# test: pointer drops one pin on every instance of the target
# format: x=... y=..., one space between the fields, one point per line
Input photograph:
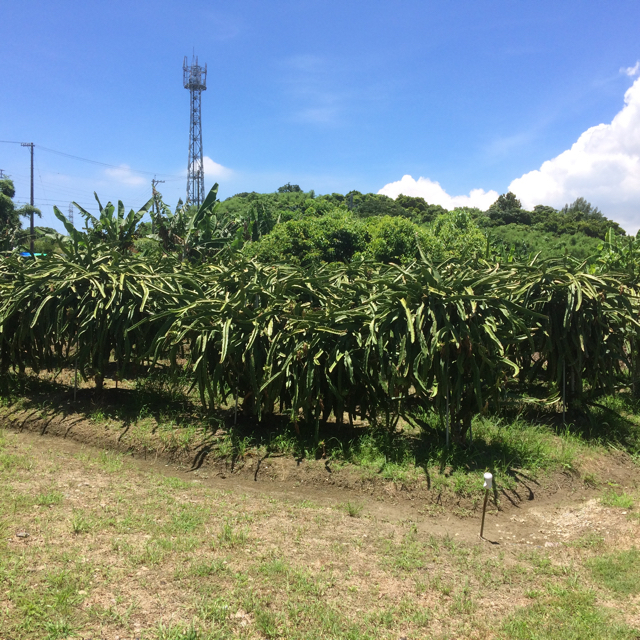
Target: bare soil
x=549 y=509
x=147 y=547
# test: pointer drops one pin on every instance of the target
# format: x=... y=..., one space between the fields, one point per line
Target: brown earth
x=550 y=509
x=365 y=565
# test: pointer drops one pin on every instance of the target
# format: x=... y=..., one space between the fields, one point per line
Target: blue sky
x=330 y=95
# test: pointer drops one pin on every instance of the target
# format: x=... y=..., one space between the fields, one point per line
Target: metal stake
x=564 y=391
x=448 y=416
x=488 y=480
x=75 y=376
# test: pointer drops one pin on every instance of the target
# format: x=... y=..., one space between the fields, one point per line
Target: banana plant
x=112 y=229
x=196 y=232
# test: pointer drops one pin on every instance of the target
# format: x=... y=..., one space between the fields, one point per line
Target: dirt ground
x=99 y=543
x=418 y=492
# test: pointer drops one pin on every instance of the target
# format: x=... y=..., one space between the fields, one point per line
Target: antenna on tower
x=194 y=78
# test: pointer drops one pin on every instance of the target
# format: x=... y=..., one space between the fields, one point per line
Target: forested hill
x=292 y=224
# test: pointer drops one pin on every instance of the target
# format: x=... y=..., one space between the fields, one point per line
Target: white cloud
x=124 y=175
x=602 y=166
x=433 y=193
x=214 y=170
x=631 y=71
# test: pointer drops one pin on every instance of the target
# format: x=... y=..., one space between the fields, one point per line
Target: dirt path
x=556 y=510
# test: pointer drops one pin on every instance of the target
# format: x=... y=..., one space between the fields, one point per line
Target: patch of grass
x=98 y=416
x=463 y=603
x=48 y=498
x=10 y=461
x=268 y=623
x=566 y=614
x=152 y=554
x=589 y=541
x=409 y=555
x=110 y=461
x=619 y=572
x=216 y=610
x=353 y=509
x=186 y=519
x=80 y=523
x=177 y=632
x=611 y=498
x=58 y=629
x=176 y=483
x=231 y=537
x=204 y=568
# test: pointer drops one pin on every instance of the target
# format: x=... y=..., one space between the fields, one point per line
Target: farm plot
x=98 y=545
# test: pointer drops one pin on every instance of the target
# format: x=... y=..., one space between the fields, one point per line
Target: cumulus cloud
x=603 y=166
x=124 y=175
x=631 y=71
x=214 y=170
x=433 y=193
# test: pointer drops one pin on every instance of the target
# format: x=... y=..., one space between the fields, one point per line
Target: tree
x=507 y=209
x=582 y=206
x=10 y=216
x=419 y=210
x=289 y=188
x=375 y=205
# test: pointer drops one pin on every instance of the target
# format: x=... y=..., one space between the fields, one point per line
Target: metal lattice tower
x=195 y=79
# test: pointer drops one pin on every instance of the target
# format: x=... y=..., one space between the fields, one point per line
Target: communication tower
x=195 y=79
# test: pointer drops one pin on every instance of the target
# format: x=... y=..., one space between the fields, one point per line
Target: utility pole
x=71 y=213
x=156 y=209
x=32 y=228
x=1 y=174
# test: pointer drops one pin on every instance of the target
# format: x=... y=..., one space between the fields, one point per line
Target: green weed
x=110 y=461
x=612 y=498
x=230 y=537
x=569 y=614
x=80 y=523
x=353 y=509
x=49 y=498
x=619 y=572
x=177 y=632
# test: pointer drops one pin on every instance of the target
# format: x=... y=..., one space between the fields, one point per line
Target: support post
x=488 y=481
x=32 y=230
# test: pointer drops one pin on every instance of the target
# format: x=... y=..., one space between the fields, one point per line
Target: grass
x=156 y=414
x=566 y=613
x=619 y=572
x=228 y=565
x=612 y=498
x=138 y=554
x=353 y=509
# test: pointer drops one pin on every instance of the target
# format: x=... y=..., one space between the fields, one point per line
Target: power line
x=102 y=164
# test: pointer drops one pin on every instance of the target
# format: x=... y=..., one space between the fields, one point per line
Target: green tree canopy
x=10 y=226
x=507 y=209
x=418 y=209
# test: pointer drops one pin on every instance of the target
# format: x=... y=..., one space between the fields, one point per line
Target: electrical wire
x=102 y=164
x=40 y=176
